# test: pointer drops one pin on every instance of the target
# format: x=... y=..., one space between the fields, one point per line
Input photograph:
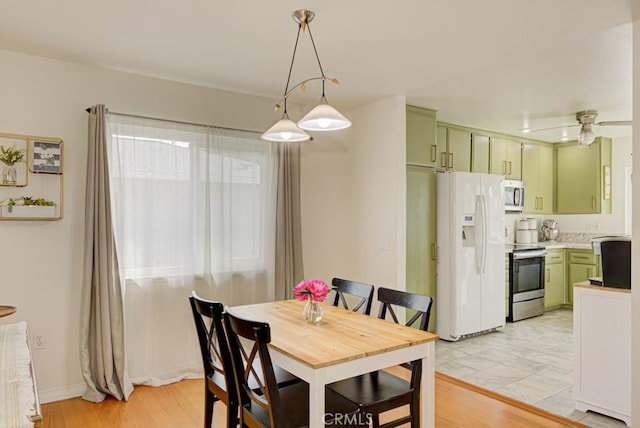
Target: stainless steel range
x=526 y=283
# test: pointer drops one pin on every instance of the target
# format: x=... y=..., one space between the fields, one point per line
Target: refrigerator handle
x=479 y=233
x=484 y=234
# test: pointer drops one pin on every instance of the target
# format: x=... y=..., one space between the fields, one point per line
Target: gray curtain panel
x=289 y=269
x=102 y=343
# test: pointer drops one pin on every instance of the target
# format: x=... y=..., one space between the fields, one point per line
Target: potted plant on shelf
x=9 y=157
x=27 y=207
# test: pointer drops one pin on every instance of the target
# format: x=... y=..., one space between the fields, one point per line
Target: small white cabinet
x=602 y=342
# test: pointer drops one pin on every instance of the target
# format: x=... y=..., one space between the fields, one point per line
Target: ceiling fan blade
x=614 y=123
x=554 y=127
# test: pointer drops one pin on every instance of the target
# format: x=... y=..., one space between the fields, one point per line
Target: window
x=189 y=199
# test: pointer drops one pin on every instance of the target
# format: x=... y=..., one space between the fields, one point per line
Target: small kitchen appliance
x=513 y=196
x=549 y=230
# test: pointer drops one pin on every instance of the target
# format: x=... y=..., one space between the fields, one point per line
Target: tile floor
x=530 y=360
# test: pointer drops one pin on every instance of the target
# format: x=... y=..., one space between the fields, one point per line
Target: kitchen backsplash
x=580 y=237
x=511 y=221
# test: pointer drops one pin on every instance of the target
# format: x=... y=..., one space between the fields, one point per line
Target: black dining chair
x=219 y=377
x=270 y=405
x=379 y=391
x=219 y=380
x=345 y=287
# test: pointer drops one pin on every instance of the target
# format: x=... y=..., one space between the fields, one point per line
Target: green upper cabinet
x=583 y=177
x=479 y=153
x=454 y=148
x=537 y=174
x=421 y=136
x=506 y=158
x=421 y=233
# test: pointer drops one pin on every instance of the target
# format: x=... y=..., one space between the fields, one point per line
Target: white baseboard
x=57 y=394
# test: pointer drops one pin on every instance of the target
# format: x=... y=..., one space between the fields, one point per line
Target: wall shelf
x=39 y=176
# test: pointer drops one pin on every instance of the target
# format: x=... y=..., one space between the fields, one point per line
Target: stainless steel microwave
x=513 y=195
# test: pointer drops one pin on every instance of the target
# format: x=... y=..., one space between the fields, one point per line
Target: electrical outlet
x=39 y=341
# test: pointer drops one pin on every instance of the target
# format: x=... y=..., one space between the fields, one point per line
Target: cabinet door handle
x=541 y=202
x=451 y=160
x=510 y=169
x=547 y=277
x=443 y=159
x=504 y=167
x=581 y=257
x=433 y=251
x=536 y=204
x=434 y=153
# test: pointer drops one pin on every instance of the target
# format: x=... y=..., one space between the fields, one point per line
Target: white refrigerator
x=470 y=261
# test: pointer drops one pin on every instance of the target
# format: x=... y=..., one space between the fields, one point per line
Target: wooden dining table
x=343 y=344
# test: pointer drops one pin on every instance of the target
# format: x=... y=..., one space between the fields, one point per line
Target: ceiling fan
x=586 y=120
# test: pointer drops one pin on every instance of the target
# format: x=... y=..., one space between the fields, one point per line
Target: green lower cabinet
x=554 y=279
x=583 y=264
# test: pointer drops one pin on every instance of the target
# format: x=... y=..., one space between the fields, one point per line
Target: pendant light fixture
x=323 y=117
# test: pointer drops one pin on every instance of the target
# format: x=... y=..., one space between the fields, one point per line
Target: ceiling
x=494 y=64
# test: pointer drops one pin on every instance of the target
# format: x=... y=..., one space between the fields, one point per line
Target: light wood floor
x=181 y=404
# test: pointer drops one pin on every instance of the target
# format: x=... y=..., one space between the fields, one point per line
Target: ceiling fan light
x=323 y=117
x=586 y=136
x=285 y=130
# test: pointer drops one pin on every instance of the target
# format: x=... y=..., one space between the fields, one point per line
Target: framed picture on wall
x=46 y=156
x=606 y=182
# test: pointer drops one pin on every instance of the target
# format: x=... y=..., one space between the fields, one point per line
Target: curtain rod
x=88 y=110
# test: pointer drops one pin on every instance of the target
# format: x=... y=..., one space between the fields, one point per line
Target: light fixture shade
x=586 y=136
x=323 y=117
x=285 y=130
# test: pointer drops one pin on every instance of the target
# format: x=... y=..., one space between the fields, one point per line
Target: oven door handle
x=529 y=254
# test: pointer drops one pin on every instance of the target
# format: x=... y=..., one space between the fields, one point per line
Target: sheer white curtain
x=194 y=209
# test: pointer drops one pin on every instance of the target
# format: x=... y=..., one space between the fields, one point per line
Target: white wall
x=41 y=262
x=353 y=206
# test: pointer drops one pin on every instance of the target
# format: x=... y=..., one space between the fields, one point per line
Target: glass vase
x=9 y=174
x=312 y=311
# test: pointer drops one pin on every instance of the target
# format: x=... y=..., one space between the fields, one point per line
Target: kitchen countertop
x=550 y=245
x=587 y=284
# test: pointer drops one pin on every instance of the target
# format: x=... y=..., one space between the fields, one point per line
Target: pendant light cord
x=293 y=58
x=313 y=43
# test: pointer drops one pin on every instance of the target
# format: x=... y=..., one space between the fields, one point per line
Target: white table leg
x=316 y=400
x=428 y=388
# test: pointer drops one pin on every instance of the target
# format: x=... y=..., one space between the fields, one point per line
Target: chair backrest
x=346 y=287
x=248 y=341
x=216 y=357
x=390 y=298
x=616 y=263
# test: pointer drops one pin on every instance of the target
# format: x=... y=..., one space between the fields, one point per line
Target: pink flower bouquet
x=316 y=288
